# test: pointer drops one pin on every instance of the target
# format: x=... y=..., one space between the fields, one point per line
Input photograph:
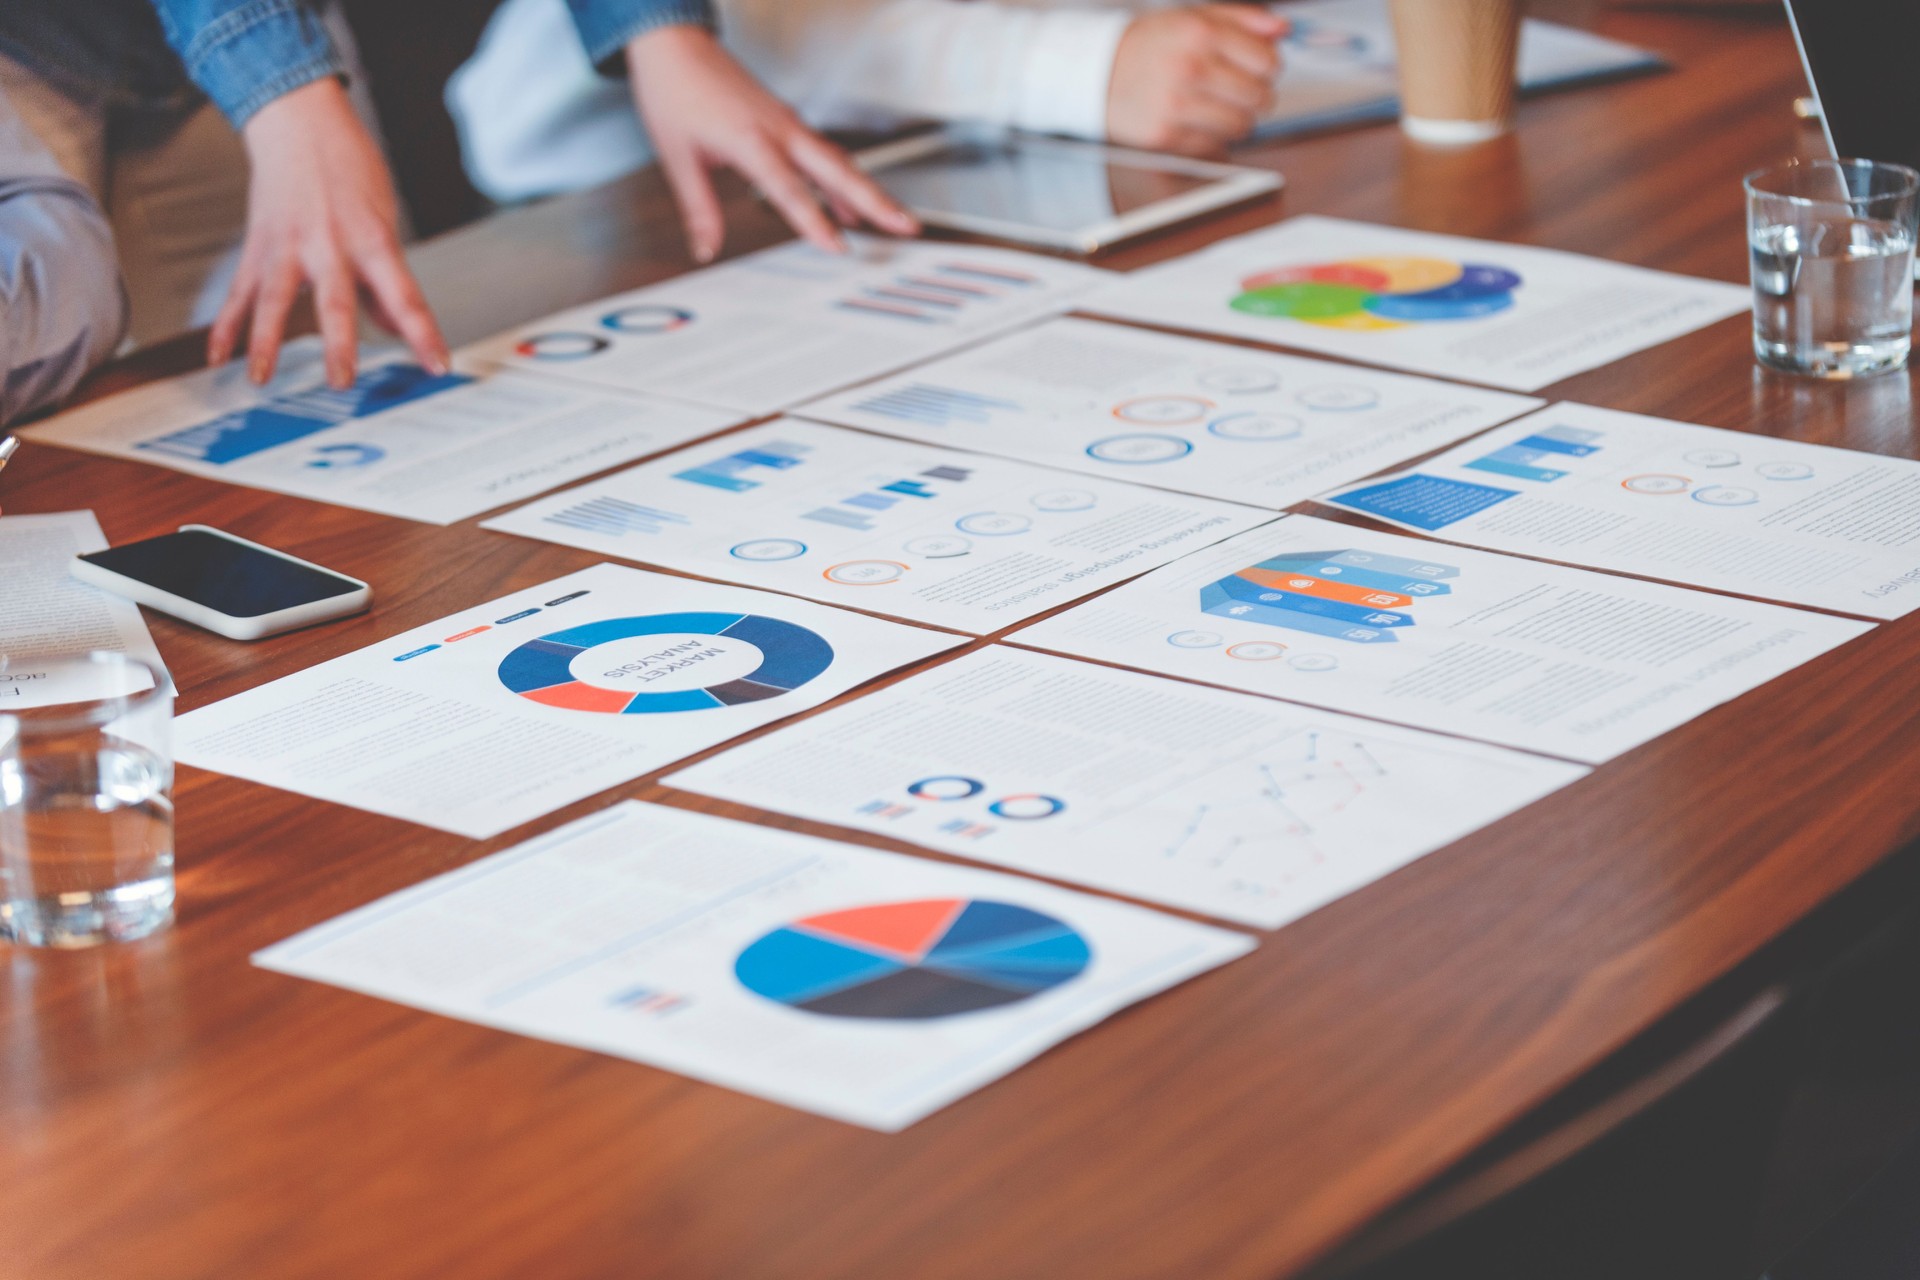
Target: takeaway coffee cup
x=1457 y=61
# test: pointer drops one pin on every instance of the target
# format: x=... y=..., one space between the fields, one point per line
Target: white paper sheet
x=862 y=985
x=925 y=534
x=1214 y=801
x=1178 y=413
x=1502 y=314
x=46 y=613
x=1564 y=661
x=769 y=330
x=1800 y=523
x=511 y=709
x=401 y=442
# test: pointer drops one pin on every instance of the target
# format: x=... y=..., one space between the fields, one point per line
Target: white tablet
x=1077 y=196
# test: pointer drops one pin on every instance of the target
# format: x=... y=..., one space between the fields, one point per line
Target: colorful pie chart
x=927 y=958
x=1379 y=293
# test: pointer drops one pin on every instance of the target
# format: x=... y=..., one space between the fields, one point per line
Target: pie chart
x=657 y=663
x=927 y=958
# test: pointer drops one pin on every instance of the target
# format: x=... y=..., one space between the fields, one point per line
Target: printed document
x=45 y=612
x=1561 y=661
x=1506 y=315
x=489 y=718
x=1217 y=802
x=1177 y=413
x=769 y=330
x=867 y=986
x=400 y=441
x=952 y=539
x=1800 y=523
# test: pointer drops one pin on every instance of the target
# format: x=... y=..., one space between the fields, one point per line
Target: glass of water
x=86 y=812
x=1831 y=243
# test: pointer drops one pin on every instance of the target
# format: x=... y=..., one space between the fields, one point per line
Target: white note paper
x=401 y=442
x=1800 y=523
x=1217 y=802
x=45 y=612
x=1178 y=413
x=862 y=985
x=1502 y=314
x=511 y=709
x=930 y=535
x=1536 y=656
x=773 y=328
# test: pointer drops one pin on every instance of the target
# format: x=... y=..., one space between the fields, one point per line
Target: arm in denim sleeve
x=606 y=25
x=246 y=53
x=62 y=310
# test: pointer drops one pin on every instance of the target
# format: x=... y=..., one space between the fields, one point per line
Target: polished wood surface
x=169 y=1111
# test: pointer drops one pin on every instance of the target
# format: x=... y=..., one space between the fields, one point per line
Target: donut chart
x=913 y=960
x=1379 y=293
x=541 y=670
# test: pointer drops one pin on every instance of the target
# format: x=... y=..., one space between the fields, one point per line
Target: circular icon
x=1256 y=650
x=1063 y=500
x=865 y=573
x=331 y=457
x=993 y=524
x=1026 y=808
x=768 y=549
x=1194 y=639
x=1339 y=398
x=1726 y=495
x=1240 y=379
x=1712 y=458
x=1165 y=411
x=938 y=546
x=1313 y=662
x=912 y=961
x=1139 y=451
x=946 y=786
x=1255 y=426
x=561 y=346
x=647 y=318
x=1655 y=484
x=665 y=662
x=1784 y=471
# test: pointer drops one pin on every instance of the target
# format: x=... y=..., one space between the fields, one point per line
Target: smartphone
x=228 y=585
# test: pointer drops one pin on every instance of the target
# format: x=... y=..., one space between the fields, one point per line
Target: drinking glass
x=1831 y=246
x=86 y=813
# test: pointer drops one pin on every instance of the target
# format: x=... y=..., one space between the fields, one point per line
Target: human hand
x=1193 y=80
x=321 y=211
x=703 y=109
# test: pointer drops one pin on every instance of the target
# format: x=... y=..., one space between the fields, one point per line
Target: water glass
x=1831 y=245
x=86 y=809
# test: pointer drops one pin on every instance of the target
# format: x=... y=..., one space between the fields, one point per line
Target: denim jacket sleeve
x=606 y=25
x=245 y=53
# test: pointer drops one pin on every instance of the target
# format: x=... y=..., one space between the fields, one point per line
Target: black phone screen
x=1861 y=55
x=225 y=576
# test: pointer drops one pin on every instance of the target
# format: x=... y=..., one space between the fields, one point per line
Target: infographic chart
x=1501 y=314
x=1563 y=661
x=1219 y=802
x=862 y=985
x=931 y=958
x=908 y=530
x=1178 y=413
x=1800 y=523
x=493 y=716
x=765 y=331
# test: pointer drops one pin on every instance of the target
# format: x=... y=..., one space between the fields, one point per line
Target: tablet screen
x=1059 y=188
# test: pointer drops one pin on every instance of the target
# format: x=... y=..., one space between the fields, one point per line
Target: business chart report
x=503 y=712
x=1217 y=802
x=908 y=530
x=867 y=986
x=1178 y=413
x=1563 y=661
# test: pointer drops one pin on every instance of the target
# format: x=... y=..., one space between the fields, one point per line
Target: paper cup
x=1457 y=61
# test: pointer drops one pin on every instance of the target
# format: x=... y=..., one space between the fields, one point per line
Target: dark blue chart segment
x=541 y=670
x=930 y=958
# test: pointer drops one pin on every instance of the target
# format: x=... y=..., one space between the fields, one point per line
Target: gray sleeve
x=62 y=307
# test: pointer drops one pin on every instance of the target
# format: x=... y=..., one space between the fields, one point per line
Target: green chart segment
x=926 y=958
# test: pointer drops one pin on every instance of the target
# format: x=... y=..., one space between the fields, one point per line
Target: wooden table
x=170 y=1111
